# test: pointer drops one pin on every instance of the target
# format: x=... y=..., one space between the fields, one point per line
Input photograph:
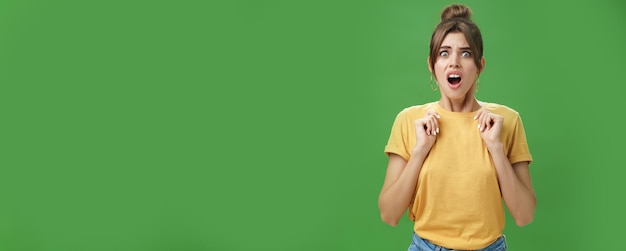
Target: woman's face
x=455 y=69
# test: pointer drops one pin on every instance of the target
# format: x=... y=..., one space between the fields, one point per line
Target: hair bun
x=456 y=11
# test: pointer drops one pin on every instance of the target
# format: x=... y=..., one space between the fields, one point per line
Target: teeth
x=454 y=76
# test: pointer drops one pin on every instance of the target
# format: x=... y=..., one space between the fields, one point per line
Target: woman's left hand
x=490 y=126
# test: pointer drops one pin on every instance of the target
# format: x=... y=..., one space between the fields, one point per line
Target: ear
x=482 y=64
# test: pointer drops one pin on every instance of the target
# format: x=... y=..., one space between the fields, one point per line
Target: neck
x=467 y=104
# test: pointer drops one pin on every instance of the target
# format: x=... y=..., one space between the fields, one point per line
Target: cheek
x=440 y=67
x=470 y=65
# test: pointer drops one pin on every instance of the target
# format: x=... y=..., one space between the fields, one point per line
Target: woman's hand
x=426 y=130
x=490 y=127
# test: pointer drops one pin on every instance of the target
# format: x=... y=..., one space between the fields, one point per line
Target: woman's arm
x=399 y=186
x=514 y=179
x=516 y=187
x=401 y=177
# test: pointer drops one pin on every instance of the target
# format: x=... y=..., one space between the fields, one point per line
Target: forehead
x=455 y=39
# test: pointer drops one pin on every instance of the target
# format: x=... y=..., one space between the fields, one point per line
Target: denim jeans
x=420 y=244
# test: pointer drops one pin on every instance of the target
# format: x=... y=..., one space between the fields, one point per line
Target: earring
x=477 y=84
x=431 y=83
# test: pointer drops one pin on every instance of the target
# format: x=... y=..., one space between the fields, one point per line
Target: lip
x=454 y=86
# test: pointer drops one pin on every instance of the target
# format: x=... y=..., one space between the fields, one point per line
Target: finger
x=436 y=122
x=478 y=119
x=431 y=117
x=424 y=124
x=421 y=124
x=484 y=121
x=488 y=122
x=498 y=120
x=491 y=120
x=430 y=126
x=478 y=114
x=433 y=122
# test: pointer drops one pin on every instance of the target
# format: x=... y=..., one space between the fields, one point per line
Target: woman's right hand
x=426 y=130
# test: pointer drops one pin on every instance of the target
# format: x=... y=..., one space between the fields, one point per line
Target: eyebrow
x=448 y=47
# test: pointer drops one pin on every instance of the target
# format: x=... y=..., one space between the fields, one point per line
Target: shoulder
x=502 y=110
x=512 y=119
x=416 y=110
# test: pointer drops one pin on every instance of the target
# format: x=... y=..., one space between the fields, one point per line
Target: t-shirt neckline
x=443 y=112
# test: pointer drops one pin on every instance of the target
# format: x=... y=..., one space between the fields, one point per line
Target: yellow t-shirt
x=457 y=202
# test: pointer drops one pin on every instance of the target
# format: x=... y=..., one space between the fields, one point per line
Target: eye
x=466 y=54
x=443 y=53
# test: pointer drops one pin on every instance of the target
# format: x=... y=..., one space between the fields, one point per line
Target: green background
x=245 y=125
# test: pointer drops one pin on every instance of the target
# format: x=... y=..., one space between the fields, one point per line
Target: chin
x=454 y=95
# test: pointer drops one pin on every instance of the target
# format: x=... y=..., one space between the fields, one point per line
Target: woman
x=451 y=162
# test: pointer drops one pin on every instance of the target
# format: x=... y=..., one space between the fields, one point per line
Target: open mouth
x=454 y=79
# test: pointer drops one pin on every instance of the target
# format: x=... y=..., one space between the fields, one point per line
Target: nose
x=454 y=62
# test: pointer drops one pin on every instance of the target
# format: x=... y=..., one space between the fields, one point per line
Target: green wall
x=241 y=125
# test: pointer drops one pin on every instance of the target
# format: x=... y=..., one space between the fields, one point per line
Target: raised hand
x=490 y=127
x=426 y=130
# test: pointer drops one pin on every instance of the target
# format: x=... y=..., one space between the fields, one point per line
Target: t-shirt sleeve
x=519 y=146
x=398 y=142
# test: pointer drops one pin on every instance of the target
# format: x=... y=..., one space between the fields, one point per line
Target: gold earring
x=431 y=83
x=477 y=84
